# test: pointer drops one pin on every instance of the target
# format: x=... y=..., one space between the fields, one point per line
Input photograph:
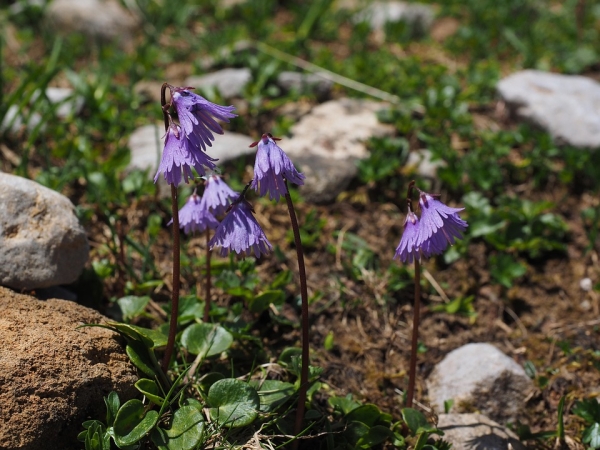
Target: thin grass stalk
x=415 y=337
x=208 y=281
x=305 y=337
x=176 y=254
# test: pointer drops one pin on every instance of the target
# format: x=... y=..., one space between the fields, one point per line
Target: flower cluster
x=185 y=143
x=430 y=235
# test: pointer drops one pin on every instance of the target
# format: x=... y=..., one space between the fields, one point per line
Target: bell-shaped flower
x=408 y=248
x=271 y=167
x=239 y=232
x=194 y=218
x=439 y=226
x=197 y=116
x=179 y=156
x=217 y=195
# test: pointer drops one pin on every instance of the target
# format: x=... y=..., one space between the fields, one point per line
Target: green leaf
x=151 y=390
x=151 y=338
x=343 y=404
x=185 y=433
x=272 y=393
x=355 y=431
x=375 y=436
x=112 y=407
x=287 y=354
x=588 y=409
x=138 y=354
x=591 y=435
x=132 y=306
x=206 y=339
x=233 y=403
x=262 y=301
x=560 y=429
x=132 y=423
x=415 y=420
x=367 y=414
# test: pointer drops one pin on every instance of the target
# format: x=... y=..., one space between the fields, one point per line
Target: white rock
x=229 y=82
x=586 y=284
x=567 y=106
x=304 y=83
x=41 y=241
x=423 y=163
x=103 y=19
x=67 y=101
x=476 y=432
x=13 y=120
x=417 y=15
x=327 y=143
x=479 y=377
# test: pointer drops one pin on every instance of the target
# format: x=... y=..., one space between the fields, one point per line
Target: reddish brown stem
x=176 y=275
x=207 y=296
x=415 y=337
x=305 y=337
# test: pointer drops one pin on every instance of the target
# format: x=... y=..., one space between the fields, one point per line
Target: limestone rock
x=53 y=376
x=418 y=16
x=229 y=82
x=328 y=142
x=479 y=377
x=41 y=240
x=305 y=83
x=424 y=164
x=476 y=432
x=102 y=19
x=567 y=106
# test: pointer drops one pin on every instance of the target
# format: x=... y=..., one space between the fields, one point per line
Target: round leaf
x=132 y=423
x=206 y=339
x=150 y=389
x=132 y=305
x=273 y=393
x=234 y=403
x=185 y=433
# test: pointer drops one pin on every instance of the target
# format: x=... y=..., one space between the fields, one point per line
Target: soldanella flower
x=194 y=218
x=197 y=116
x=271 y=167
x=440 y=225
x=217 y=195
x=239 y=232
x=408 y=249
x=179 y=156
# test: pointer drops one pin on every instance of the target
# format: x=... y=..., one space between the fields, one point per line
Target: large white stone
x=480 y=378
x=42 y=242
x=417 y=15
x=567 y=106
x=328 y=142
x=103 y=19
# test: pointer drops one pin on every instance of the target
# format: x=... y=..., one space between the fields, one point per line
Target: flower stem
x=207 y=295
x=415 y=337
x=175 y=293
x=304 y=295
x=176 y=251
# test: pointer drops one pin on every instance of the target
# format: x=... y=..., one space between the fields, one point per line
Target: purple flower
x=240 y=232
x=217 y=195
x=440 y=225
x=197 y=116
x=180 y=155
x=408 y=249
x=193 y=217
x=271 y=167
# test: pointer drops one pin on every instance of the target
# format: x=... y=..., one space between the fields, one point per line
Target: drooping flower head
x=440 y=225
x=240 y=232
x=271 y=167
x=180 y=155
x=197 y=116
x=408 y=250
x=217 y=195
x=194 y=218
